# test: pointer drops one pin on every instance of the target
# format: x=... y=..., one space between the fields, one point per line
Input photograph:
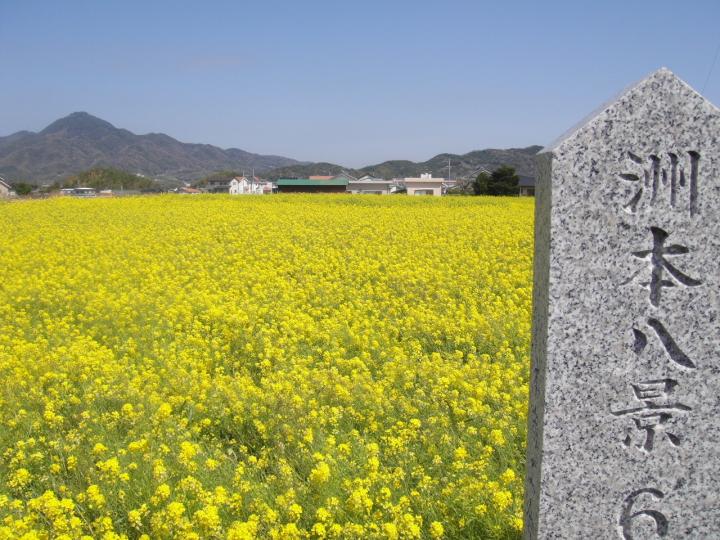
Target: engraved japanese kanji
x=662 y=172
x=659 y=264
x=654 y=414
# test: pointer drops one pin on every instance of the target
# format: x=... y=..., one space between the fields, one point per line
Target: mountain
x=81 y=141
x=462 y=165
x=303 y=170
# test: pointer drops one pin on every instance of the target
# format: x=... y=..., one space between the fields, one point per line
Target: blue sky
x=353 y=83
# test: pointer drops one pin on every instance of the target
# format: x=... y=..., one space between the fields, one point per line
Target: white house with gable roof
x=241 y=185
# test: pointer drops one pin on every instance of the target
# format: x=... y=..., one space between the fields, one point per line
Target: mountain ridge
x=465 y=166
x=81 y=141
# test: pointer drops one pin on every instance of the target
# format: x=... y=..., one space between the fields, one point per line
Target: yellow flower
x=110 y=466
x=508 y=476
x=436 y=529
x=135 y=518
x=359 y=501
x=162 y=491
x=391 y=531
x=335 y=352
x=175 y=511
x=20 y=478
x=95 y=496
x=246 y=530
x=319 y=530
x=323 y=515
x=208 y=518
x=497 y=437
x=320 y=474
x=99 y=448
x=295 y=511
x=164 y=411
x=502 y=499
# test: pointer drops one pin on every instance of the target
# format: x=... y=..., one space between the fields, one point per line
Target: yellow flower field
x=264 y=367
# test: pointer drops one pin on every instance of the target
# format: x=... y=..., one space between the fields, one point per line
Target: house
x=187 y=190
x=526 y=186
x=473 y=175
x=242 y=185
x=370 y=185
x=425 y=185
x=217 y=185
x=79 y=192
x=334 y=184
x=451 y=184
x=5 y=189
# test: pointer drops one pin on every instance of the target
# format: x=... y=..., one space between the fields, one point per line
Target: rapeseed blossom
x=269 y=367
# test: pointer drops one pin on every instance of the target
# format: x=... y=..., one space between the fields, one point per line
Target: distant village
x=425 y=184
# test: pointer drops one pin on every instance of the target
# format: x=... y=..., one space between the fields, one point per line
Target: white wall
x=424 y=188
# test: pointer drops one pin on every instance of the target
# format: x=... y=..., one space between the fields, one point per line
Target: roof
x=365 y=180
x=346 y=176
x=333 y=181
x=3 y=183
x=370 y=178
x=425 y=180
x=526 y=181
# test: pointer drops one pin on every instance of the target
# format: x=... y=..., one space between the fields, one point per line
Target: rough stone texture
x=609 y=314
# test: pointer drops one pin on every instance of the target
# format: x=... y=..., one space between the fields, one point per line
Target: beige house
x=425 y=185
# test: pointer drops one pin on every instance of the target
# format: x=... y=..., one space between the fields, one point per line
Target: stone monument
x=624 y=420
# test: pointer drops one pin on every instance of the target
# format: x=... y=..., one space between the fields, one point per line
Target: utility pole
x=449 y=168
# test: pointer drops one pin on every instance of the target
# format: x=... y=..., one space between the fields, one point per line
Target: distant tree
x=22 y=188
x=219 y=176
x=502 y=181
x=481 y=183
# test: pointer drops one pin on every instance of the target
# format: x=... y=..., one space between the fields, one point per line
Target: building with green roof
x=336 y=184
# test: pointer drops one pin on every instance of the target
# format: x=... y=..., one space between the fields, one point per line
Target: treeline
x=109 y=178
x=220 y=176
x=502 y=181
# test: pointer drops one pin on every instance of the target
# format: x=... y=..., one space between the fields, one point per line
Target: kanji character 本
x=655 y=412
x=659 y=265
x=627 y=515
x=659 y=172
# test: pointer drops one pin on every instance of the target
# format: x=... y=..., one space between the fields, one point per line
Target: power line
x=712 y=66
